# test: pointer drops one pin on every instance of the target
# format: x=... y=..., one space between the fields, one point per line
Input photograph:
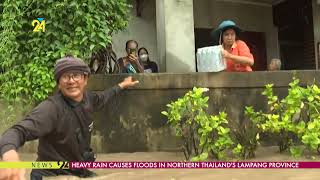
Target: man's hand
x=11 y=174
x=127 y=82
x=133 y=58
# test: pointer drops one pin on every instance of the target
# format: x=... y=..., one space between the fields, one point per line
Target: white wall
x=258 y=18
x=141 y=29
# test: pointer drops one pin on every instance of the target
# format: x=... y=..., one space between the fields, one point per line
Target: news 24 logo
x=40 y=24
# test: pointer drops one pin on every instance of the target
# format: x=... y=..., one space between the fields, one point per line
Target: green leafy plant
x=310 y=135
x=293 y=120
x=238 y=150
x=296 y=151
x=283 y=115
x=71 y=27
x=202 y=135
x=247 y=135
x=214 y=136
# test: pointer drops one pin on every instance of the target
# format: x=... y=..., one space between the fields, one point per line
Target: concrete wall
x=132 y=121
x=141 y=29
x=250 y=17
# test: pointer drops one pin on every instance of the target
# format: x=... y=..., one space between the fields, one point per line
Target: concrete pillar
x=175 y=35
x=161 y=35
x=316 y=29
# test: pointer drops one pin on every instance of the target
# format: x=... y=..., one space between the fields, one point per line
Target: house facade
x=172 y=30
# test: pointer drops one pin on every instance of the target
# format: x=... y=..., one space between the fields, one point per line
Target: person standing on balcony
x=148 y=65
x=131 y=63
x=235 y=52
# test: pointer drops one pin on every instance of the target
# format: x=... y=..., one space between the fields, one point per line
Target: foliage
x=214 y=136
x=202 y=135
x=294 y=120
x=310 y=134
x=72 y=27
x=246 y=135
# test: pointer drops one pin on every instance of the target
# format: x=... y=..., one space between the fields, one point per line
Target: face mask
x=144 y=57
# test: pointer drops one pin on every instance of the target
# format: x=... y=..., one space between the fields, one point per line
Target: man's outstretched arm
x=39 y=122
x=101 y=98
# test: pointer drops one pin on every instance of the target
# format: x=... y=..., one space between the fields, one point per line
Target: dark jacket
x=150 y=67
x=62 y=126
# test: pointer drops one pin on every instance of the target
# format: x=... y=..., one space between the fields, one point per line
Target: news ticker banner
x=36 y=165
x=159 y=165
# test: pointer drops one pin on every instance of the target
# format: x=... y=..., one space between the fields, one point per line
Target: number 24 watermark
x=40 y=25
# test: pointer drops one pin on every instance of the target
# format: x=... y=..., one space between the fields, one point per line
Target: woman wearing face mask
x=236 y=52
x=149 y=66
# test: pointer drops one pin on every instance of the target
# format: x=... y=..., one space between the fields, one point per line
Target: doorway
x=255 y=40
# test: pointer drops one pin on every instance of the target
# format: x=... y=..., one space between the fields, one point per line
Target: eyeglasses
x=131 y=50
x=75 y=76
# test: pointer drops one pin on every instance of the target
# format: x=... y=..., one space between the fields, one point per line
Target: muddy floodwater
x=263 y=154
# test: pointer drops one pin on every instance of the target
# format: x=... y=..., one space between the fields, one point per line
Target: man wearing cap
x=62 y=123
x=236 y=52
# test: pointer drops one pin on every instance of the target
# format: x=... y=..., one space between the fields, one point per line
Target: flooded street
x=265 y=154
